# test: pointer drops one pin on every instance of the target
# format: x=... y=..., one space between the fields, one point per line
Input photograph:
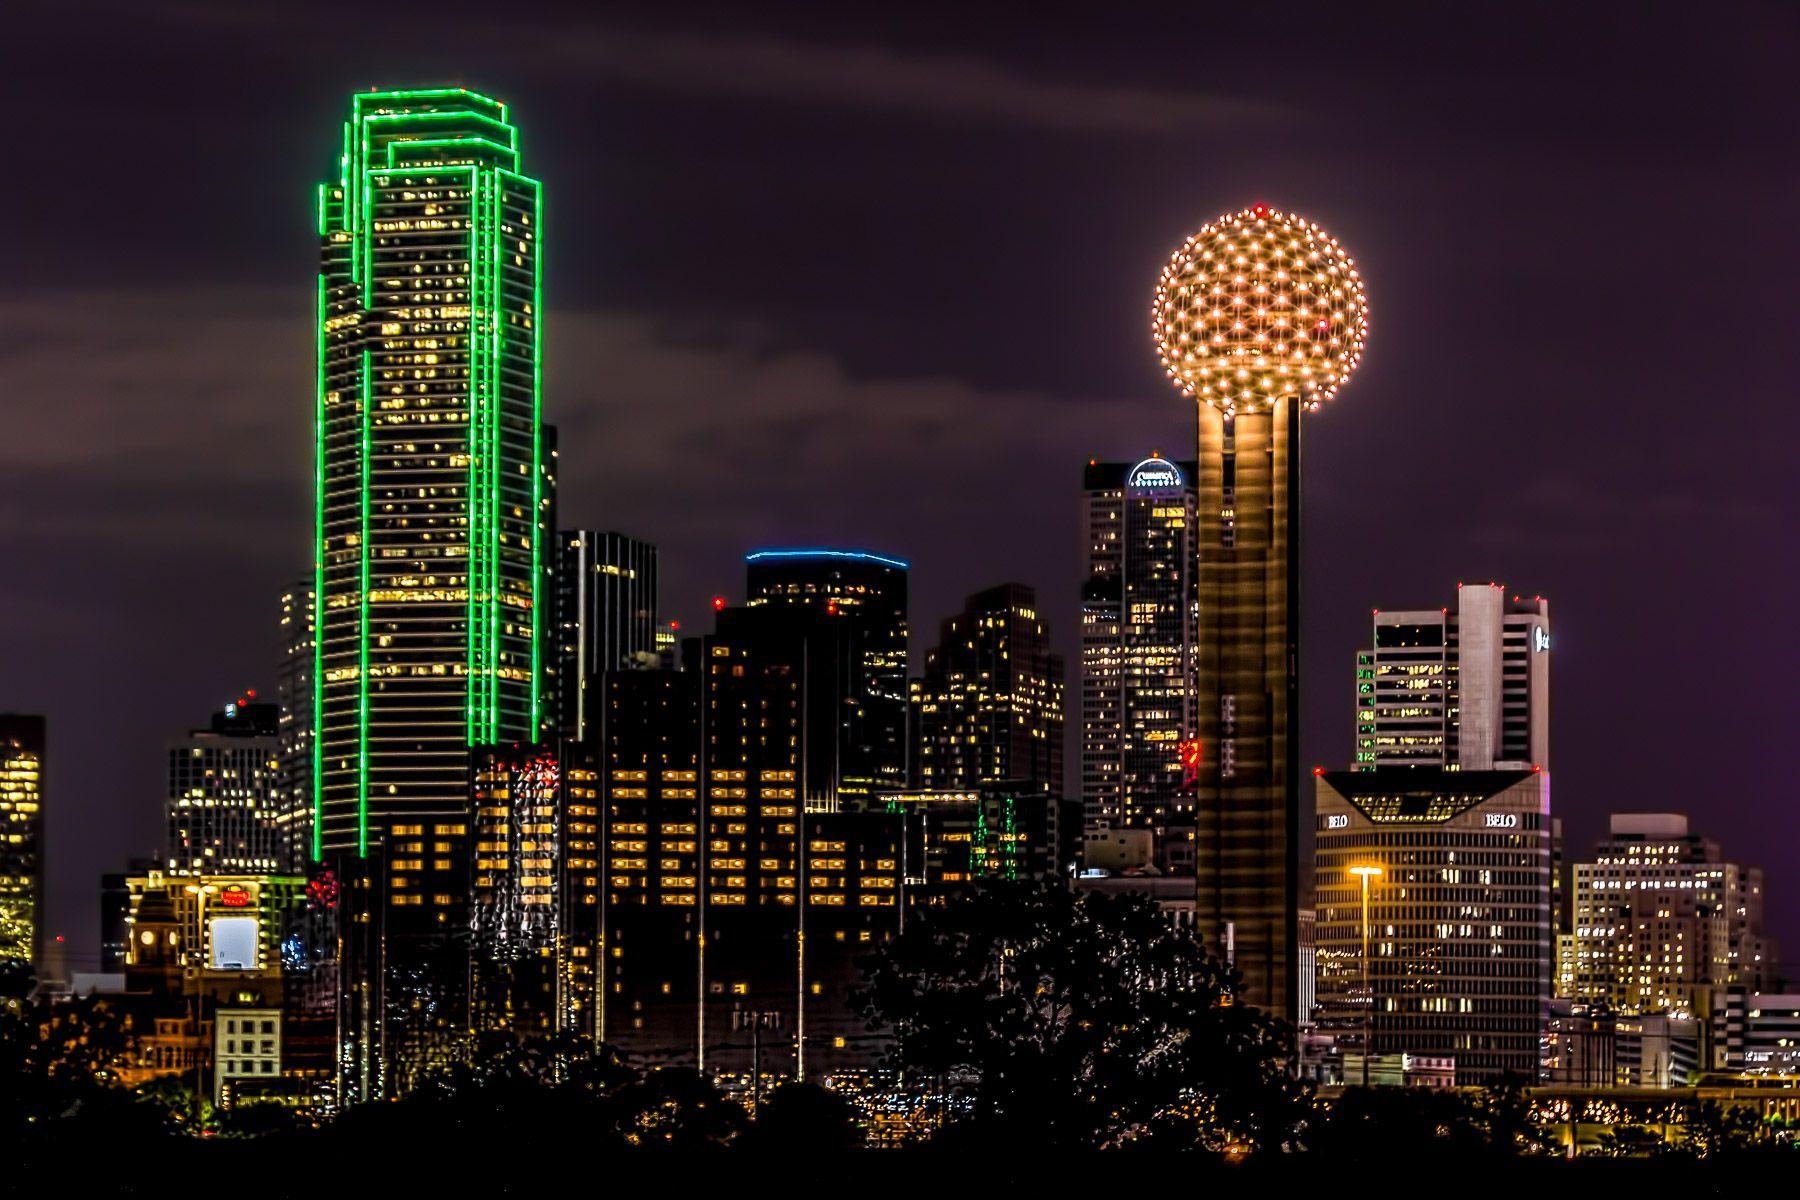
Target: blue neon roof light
x=826 y=552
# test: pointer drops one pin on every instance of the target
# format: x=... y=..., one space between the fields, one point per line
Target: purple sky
x=828 y=279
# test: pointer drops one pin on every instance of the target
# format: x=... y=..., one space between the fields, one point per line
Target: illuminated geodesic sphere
x=1257 y=306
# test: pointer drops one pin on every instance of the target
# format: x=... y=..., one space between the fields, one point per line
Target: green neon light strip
x=537 y=451
x=317 y=616
x=406 y=95
x=362 y=675
x=496 y=303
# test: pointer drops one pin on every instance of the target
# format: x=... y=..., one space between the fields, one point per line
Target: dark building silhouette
x=989 y=706
x=606 y=605
x=868 y=592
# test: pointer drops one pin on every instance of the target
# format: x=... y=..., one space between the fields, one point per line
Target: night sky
x=827 y=278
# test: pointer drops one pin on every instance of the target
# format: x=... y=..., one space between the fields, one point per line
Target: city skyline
x=1512 y=531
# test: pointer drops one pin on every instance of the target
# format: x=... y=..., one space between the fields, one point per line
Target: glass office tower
x=430 y=480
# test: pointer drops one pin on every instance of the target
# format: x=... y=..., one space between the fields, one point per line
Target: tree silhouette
x=1072 y=1020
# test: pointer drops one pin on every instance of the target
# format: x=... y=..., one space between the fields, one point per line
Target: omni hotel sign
x=1154 y=474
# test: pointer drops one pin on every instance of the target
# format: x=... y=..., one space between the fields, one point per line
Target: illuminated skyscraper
x=21 y=839
x=1139 y=613
x=1662 y=920
x=293 y=695
x=1467 y=688
x=989 y=707
x=1455 y=866
x=431 y=566
x=605 y=616
x=224 y=803
x=1258 y=317
x=867 y=594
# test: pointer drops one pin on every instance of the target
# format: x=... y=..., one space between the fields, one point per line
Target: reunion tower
x=1258 y=316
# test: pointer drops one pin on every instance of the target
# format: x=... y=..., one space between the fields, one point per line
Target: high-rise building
x=868 y=594
x=1467 y=687
x=224 y=800
x=293 y=695
x=733 y=886
x=605 y=616
x=989 y=707
x=1456 y=867
x=1139 y=620
x=1662 y=920
x=1258 y=317
x=430 y=557
x=22 y=767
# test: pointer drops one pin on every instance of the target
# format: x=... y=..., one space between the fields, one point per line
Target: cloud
x=781 y=68
x=184 y=417
x=944 y=85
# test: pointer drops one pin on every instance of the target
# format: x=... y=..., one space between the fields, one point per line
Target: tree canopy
x=1081 y=1021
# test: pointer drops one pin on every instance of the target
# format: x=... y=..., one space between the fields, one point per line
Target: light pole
x=1366 y=873
x=199 y=893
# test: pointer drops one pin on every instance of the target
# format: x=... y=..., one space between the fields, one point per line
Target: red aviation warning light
x=1191 y=758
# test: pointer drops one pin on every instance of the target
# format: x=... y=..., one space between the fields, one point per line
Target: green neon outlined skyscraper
x=429 y=457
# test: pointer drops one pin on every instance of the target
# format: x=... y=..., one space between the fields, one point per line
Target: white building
x=1466 y=688
x=246 y=1045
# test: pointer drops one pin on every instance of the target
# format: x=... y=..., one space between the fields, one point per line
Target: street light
x=1366 y=873
x=200 y=893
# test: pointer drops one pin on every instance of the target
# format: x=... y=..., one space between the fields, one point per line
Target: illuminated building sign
x=234 y=943
x=1337 y=821
x=1540 y=640
x=1154 y=473
x=234 y=895
x=1190 y=764
x=1502 y=820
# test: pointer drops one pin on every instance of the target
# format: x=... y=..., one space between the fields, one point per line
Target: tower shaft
x=1248 y=801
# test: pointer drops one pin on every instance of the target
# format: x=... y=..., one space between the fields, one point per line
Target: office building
x=989 y=706
x=605 y=616
x=246 y=1048
x=1465 y=687
x=1139 y=622
x=1008 y=831
x=294 y=698
x=1662 y=921
x=736 y=892
x=431 y=474
x=224 y=798
x=868 y=593
x=1459 y=932
x=22 y=773
x=1755 y=1033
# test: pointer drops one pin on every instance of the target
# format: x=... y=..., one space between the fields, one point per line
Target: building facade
x=294 y=697
x=22 y=770
x=1459 y=925
x=225 y=803
x=1467 y=687
x=1662 y=921
x=1246 y=697
x=606 y=606
x=1139 y=624
x=989 y=706
x=430 y=563
x=868 y=592
x=735 y=889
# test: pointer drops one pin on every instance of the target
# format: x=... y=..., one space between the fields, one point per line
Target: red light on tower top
x=718 y=604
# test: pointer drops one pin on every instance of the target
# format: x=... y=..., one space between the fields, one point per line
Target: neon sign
x=234 y=895
x=1154 y=473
